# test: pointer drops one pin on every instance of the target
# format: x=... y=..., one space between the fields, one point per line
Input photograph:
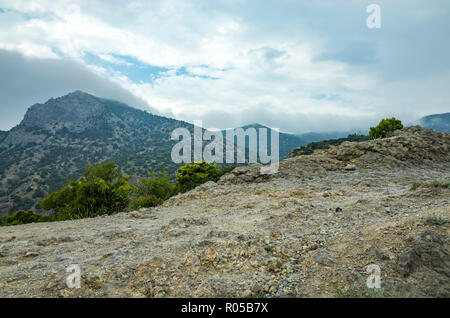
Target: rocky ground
x=309 y=230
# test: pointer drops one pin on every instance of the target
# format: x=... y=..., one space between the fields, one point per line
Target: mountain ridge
x=56 y=140
x=309 y=230
x=437 y=122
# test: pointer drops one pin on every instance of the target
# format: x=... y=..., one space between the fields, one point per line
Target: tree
x=24 y=217
x=195 y=173
x=152 y=191
x=101 y=190
x=385 y=128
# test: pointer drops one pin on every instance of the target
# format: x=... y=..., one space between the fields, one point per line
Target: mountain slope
x=286 y=141
x=437 y=122
x=3 y=135
x=307 y=231
x=56 y=140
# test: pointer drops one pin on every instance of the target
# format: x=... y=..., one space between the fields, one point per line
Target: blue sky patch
x=135 y=70
x=323 y=96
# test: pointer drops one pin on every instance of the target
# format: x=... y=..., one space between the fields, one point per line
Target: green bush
x=159 y=186
x=101 y=190
x=144 y=201
x=195 y=173
x=385 y=128
x=24 y=217
x=152 y=191
x=435 y=184
x=436 y=219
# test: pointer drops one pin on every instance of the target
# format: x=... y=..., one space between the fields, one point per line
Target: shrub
x=385 y=128
x=159 y=186
x=445 y=184
x=144 y=201
x=436 y=219
x=195 y=173
x=101 y=190
x=24 y=217
x=441 y=184
x=359 y=289
x=152 y=191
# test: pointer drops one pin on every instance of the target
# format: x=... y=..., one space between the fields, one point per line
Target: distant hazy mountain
x=56 y=140
x=287 y=142
x=437 y=122
x=314 y=137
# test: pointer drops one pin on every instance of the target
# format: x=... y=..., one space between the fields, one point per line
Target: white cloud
x=244 y=59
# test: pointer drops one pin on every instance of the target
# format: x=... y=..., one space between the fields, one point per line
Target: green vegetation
x=441 y=184
x=152 y=191
x=104 y=190
x=359 y=289
x=256 y=294
x=24 y=217
x=415 y=186
x=101 y=190
x=444 y=184
x=436 y=219
x=195 y=173
x=385 y=128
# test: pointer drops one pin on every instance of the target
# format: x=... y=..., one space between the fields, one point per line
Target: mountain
x=3 y=135
x=437 y=122
x=288 y=142
x=311 y=230
x=56 y=140
x=315 y=136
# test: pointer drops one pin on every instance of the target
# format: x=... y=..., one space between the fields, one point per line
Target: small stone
x=323 y=257
x=350 y=167
x=135 y=214
x=31 y=254
x=274 y=264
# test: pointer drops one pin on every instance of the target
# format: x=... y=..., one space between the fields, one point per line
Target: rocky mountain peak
x=75 y=107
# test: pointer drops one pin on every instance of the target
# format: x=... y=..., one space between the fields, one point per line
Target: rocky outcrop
x=409 y=147
x=309 y=230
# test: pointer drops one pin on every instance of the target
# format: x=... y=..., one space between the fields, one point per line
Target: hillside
x=56 y=140
x=437 y=122
x=3 y=135
x=287 y=142
x=309 y=230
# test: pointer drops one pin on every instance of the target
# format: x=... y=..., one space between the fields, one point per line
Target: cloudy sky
x=296 y=65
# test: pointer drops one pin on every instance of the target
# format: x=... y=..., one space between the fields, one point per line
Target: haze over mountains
x=56 y=140
x=437 y=122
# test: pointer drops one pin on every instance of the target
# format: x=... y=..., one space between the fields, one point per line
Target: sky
x=300 y=66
